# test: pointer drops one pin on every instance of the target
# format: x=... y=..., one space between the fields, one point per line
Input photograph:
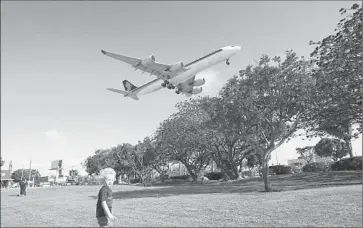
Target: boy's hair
x=108 y=172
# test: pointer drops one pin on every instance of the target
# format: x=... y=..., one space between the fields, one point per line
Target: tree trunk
x=192 y=170
x=179 y=168
x=236 y=173
x=348 y=142
x=227 y=175
x=239 y=176
x=266 y=177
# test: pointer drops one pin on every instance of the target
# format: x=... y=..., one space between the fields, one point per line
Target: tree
x=307 y=153
x=92 y=165
x=19 y=173
x=338 y=95
x=334 y=148
x=142 y=159
x=123 y=155
x=225 y=142
x=124 y=159
x=183 y=138
x=156 y=156
x=2 y=161
x=73 y=172
x=255 y=161
x=266 y=103
x=101 y=159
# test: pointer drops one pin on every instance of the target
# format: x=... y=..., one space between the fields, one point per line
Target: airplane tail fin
x=125 y=93
x=128 y=85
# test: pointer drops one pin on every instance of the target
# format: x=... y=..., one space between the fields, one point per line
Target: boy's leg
x=102 y=221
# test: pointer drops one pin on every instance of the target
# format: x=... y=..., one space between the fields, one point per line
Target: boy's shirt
x=105 y=194
x=22 y=184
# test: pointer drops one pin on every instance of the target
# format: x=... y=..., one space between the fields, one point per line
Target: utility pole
x=30 y=169
x=10 y=167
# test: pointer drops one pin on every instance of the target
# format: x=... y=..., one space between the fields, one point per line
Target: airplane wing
x=158 y=69
x=129 y=60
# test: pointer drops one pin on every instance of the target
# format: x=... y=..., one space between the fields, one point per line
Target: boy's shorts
x=103 y=221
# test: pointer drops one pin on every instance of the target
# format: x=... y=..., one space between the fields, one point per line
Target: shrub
x=353 y=163
x=316 y=167
x=214 y=175
x=280 y=169
x=296 y=169
x=134 y=181
x=183 y=177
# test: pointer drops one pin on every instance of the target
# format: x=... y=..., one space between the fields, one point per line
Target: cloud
x=53 y=134
x=213 y=83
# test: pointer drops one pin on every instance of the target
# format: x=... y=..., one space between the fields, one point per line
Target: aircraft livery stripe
x=145 y=85
x=195 y=61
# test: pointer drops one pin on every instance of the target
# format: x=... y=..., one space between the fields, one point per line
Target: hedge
x=214 y=175
x=316 y=167
x=353 y=163
x=280 y=169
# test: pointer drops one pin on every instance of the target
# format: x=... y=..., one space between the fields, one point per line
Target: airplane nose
x=238 y=48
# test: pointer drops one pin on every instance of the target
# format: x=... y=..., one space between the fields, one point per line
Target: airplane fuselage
x=193 y=68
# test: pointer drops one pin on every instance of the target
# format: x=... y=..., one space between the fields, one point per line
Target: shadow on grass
x=279 y=183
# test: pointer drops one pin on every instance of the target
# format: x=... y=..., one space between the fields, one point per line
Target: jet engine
x=148 y=60
x=196 y=90
x=199 y=82
x=177 y=67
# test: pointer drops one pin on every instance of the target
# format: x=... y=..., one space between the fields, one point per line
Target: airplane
x=178 y=76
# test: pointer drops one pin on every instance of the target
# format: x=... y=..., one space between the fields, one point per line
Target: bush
x=183 y=177
x=296 y=169
x=353 y=163
x=134 y=181
x=215 y=175
x=280 y=169
x=316 y=167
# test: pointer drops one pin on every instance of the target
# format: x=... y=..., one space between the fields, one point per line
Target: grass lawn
x=317 y=199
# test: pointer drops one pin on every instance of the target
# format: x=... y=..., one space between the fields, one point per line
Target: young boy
x=104 y=204
x=22 y=184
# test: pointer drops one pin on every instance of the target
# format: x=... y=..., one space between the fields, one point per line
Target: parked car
x=72 y=182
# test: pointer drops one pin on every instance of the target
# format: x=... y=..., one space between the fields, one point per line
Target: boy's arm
x=106 y=210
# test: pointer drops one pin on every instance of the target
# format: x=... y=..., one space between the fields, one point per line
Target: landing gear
x=227 y=61
x=166 y=82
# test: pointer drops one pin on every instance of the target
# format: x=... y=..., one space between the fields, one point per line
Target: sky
x=54 y=102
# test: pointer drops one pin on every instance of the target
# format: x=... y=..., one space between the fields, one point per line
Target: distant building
x=5 y=178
